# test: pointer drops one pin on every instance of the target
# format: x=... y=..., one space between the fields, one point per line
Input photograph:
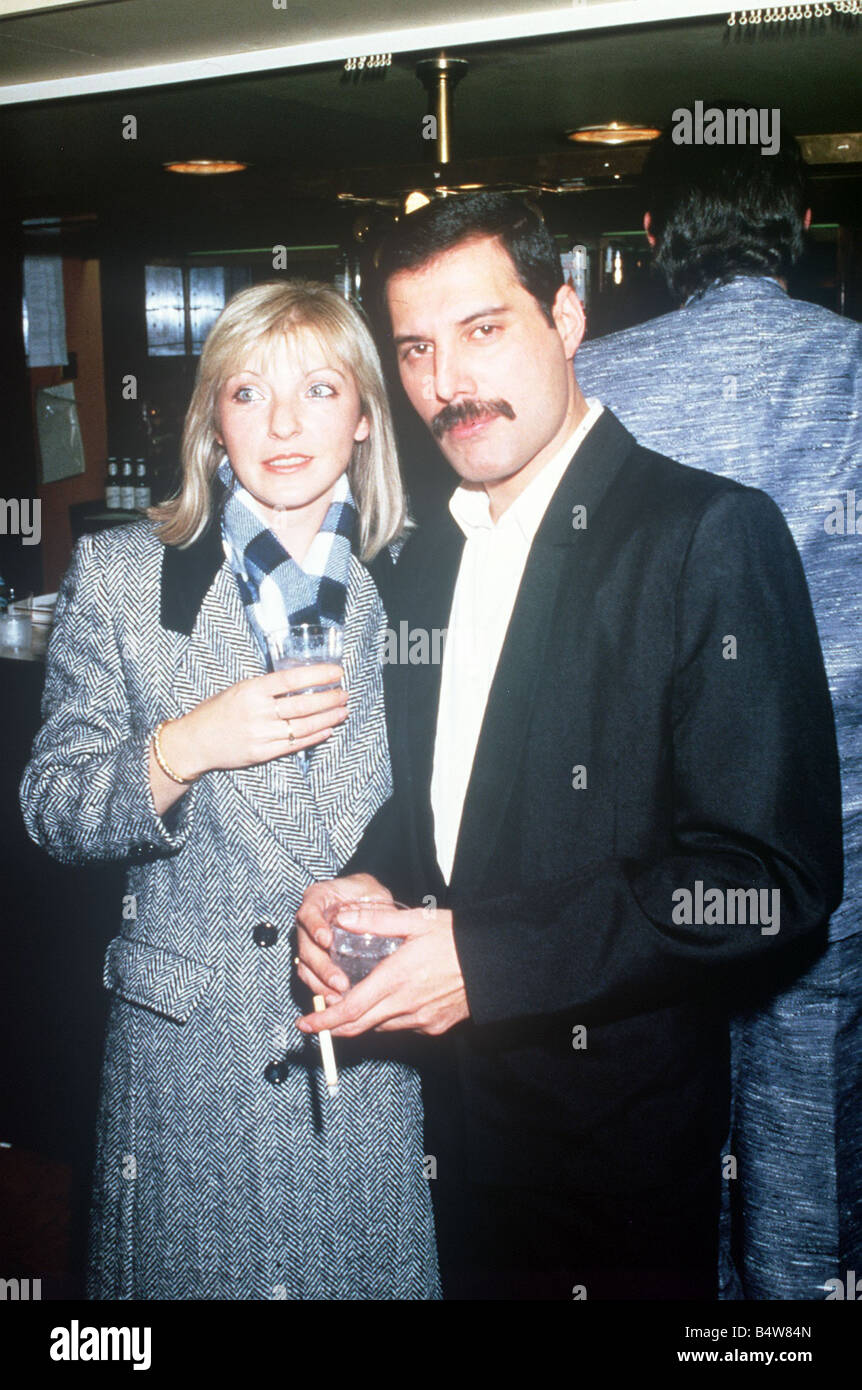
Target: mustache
x=465 y=411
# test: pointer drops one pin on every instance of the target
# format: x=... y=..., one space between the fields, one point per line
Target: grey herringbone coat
x=211 y=1182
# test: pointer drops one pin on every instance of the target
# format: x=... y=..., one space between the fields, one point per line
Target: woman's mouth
x=286 y=463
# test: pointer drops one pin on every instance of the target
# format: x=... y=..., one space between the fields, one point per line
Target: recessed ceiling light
x=613 y=133
x=205 y=166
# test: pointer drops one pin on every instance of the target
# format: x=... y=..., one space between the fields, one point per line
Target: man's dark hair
x=446 y=223
x=724 y=210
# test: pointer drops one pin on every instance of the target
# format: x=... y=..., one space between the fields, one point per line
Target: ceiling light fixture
x=613 y=133
x=440 y=76
x=415 y=200
x=205 y=166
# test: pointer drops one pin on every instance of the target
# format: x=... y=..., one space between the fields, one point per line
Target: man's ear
x=569 y=318
x=648 y=229
x=806 y=221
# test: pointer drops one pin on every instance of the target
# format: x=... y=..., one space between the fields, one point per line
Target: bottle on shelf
x=112 y=486
x=143 y=493
x=127 y=487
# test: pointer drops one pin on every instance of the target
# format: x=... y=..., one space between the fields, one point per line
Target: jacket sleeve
x=85 y=793
x=755 y=805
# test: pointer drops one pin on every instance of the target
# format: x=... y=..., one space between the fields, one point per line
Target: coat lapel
x=338 y=809
x=552 y=565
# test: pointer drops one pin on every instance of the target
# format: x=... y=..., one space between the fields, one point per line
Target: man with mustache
x=452 y=415
x=631 y=713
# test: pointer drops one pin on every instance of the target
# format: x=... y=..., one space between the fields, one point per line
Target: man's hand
x=420 y=987
x=314 y=934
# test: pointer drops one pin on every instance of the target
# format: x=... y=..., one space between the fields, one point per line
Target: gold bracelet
x=183 y=781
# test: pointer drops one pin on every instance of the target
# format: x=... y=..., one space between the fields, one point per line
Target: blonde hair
x=250 y=324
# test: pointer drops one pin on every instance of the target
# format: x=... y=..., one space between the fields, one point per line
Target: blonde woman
x=225 y=1170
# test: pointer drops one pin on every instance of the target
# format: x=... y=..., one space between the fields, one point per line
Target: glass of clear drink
x=306 y=644
x=16 y=622
x=357 y=952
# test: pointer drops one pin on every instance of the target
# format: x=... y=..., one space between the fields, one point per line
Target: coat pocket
x=155 y=978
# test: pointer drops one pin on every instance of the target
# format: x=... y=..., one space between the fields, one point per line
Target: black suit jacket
x=700 y=764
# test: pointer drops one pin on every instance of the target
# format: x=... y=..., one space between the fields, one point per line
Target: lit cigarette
x=327 y=1052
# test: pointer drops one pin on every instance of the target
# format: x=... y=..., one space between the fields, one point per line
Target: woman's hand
x=247 y=724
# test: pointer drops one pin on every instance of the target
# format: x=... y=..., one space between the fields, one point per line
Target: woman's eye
x=244 y=393
x=320 y=390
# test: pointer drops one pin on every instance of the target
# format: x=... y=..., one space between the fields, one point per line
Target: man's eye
x=415 y=350
x=486 y=330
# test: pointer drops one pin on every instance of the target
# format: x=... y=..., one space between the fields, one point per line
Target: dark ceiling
x=311 y=132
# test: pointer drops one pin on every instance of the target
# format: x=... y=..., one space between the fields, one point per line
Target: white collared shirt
x=489 y=577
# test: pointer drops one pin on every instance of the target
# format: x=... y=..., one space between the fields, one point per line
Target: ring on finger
x=290 y=734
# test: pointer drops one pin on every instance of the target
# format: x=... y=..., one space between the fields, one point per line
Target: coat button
x=265 y=934
x=276 y=1072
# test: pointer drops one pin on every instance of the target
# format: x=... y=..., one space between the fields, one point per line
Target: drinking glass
x=16 y=623
x=306 y=644
x=357 y=953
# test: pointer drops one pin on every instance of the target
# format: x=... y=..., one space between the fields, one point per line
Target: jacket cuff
x=150 y=831
x=481 y=984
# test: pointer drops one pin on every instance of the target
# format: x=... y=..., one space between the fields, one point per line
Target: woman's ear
x=363 y=429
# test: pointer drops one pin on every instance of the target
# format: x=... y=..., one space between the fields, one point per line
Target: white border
x=432 y=36
x=21 y=9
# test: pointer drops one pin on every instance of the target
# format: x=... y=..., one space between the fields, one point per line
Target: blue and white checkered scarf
x=275 y=590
